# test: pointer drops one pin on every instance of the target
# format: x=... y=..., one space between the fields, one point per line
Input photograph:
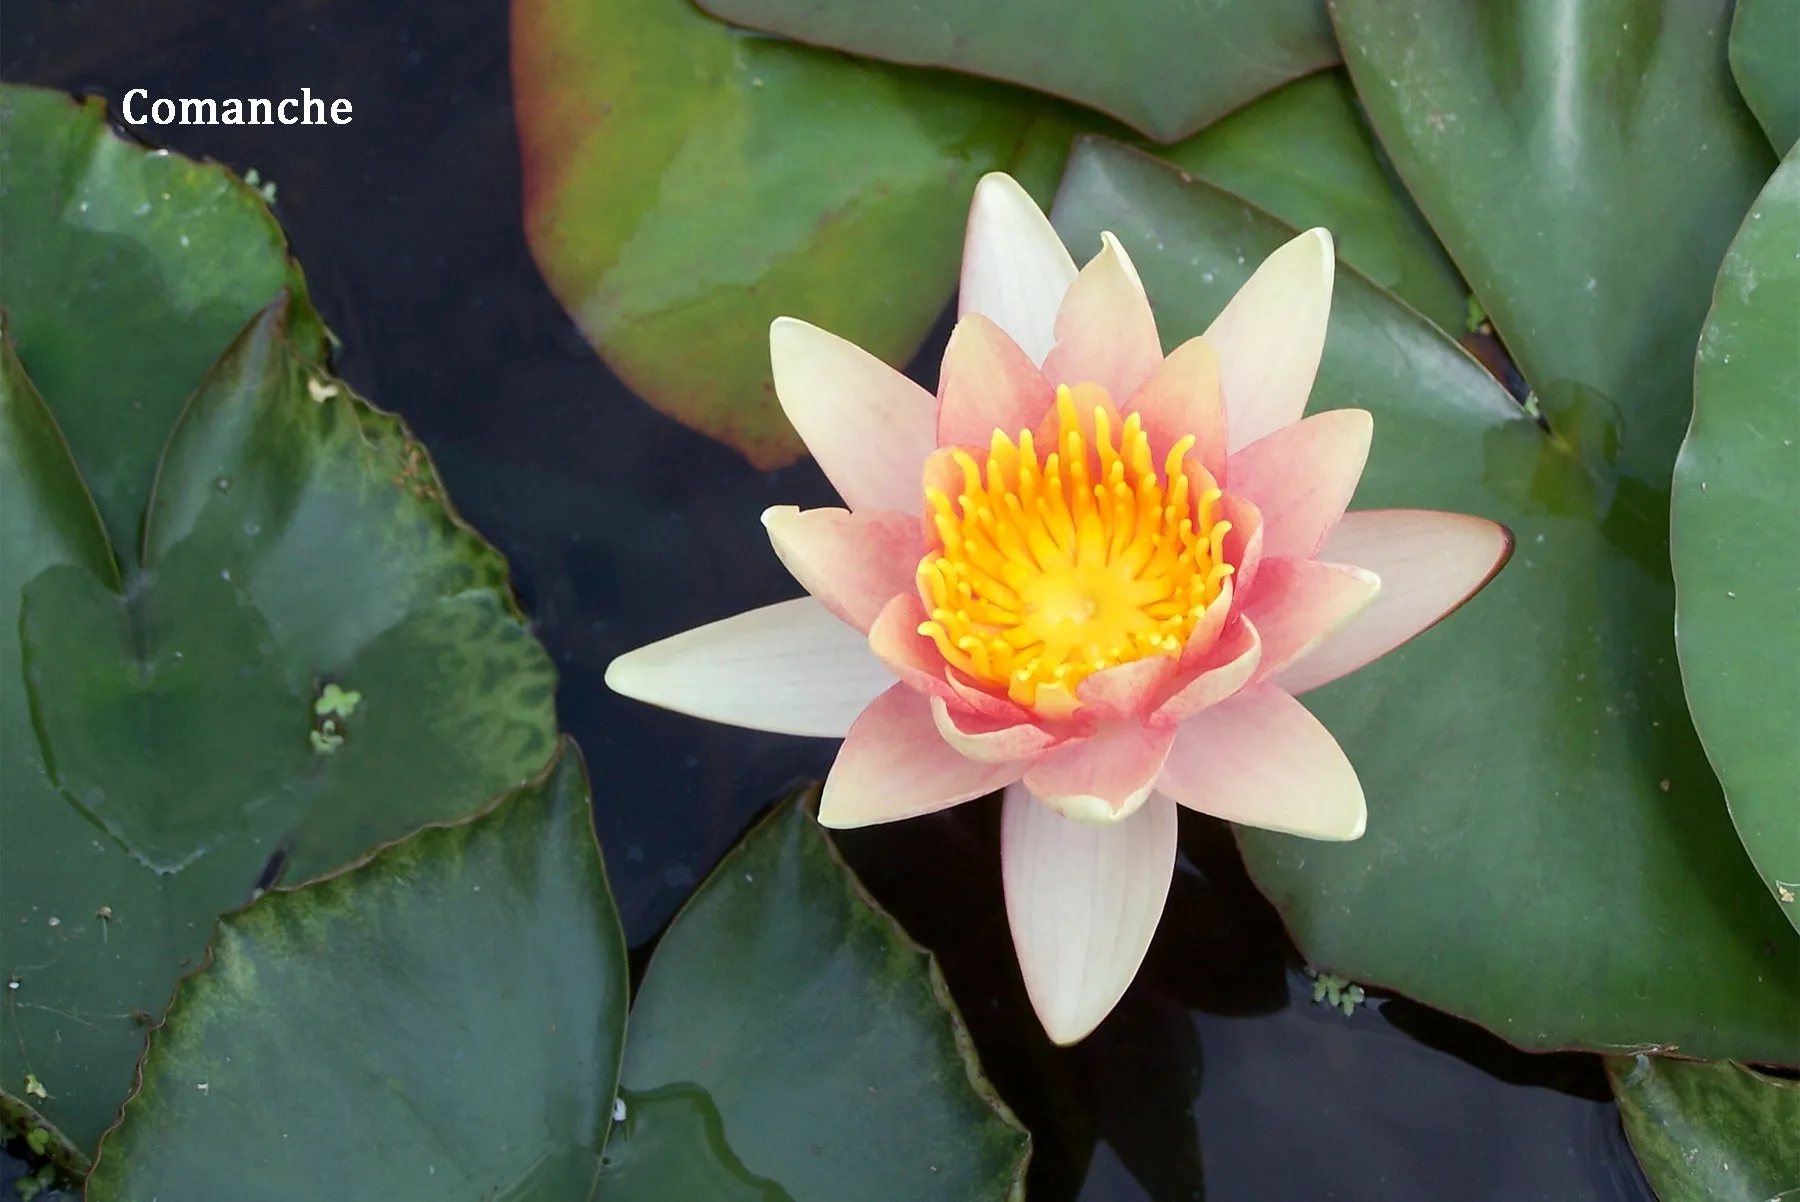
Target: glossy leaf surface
x=1765 y=41
x=786 y=1004
x=1585 y=162
x=687 y=183
x=1735 y=527
x=1304 y=153
x=1542 y=823
x=313 y=656
x=445 y=1019
x=127 y=273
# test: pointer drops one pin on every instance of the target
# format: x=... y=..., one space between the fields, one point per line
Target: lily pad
x=671 y=1147
x=1547 y=851
x=786 y=1001
x=1304 y=153
x=312 y=656
x=1709 y=1132
x=1585 y=164
x=127 y=274
x=441 y=1022
x=1735 y=527
x=462 y=993
x=1765 y=35
x=687 y=183
x=1165 y=67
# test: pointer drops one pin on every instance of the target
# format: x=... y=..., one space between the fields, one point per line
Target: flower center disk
x=1045 y=572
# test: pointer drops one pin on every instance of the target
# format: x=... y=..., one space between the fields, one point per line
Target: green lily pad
x=671 y=1147
x=1709 y=1132
x=1547 y=852
x=1304 y=153
x=687 y=183
x=462 y=994
x=164 y=747
x=1765 y=35
x=127 y=274
x=785 y=1001
x=1585 y=165
x=441 y=1022
x=1165 y=67
x=1735 y=526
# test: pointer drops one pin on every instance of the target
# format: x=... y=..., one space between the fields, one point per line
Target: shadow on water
x=1217 y=1077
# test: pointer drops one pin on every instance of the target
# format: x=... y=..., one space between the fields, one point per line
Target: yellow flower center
x=1049 y=572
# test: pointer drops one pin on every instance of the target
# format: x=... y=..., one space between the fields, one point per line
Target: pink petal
x=1105 y=333
x=1180 y=398
x=895 y=640
x=1197 y=651
x=1297 y=603
x=1244 y=542
x=980 y=701
x=1103 y=778
x=1429 y=564
x=1015 y=269
x=894 y=765
x=978 y=738
x=1083 y=901
x=869 y=427
x=1270 y=337
x=987 y=383
x=1261 y=759
x=1228 y=668
x=1302 y=476
x=793 y=668
x=1115 y=694
x=854 y=563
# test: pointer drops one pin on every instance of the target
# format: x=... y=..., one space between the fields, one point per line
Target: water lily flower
x=1087 y=573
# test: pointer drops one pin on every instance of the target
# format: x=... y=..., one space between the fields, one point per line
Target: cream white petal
x=1015 y=270
x=869 y=427
x=792 y=668
x=1269 y=338
x=1083 y=901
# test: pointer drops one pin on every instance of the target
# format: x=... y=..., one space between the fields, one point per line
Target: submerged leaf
x=1709 y=1132
x=1167 y=67
x=687 y=183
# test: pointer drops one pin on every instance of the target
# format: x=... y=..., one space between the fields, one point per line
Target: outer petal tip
x=791 y=668
x=1097 y=811
x=1110 y=244
x=1015 y=267
x=1271 y=335
x=869 y=426
x=1083 y=902
x=618 y=676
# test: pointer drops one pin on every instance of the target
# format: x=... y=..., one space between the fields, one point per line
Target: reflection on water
x=1217 y=1077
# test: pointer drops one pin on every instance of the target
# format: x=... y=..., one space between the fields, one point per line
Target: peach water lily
x=1086 y=573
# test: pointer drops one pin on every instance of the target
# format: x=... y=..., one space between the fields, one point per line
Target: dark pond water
x=1218 y=1078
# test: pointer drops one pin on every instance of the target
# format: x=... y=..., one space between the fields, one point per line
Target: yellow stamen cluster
x=1049 y=572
